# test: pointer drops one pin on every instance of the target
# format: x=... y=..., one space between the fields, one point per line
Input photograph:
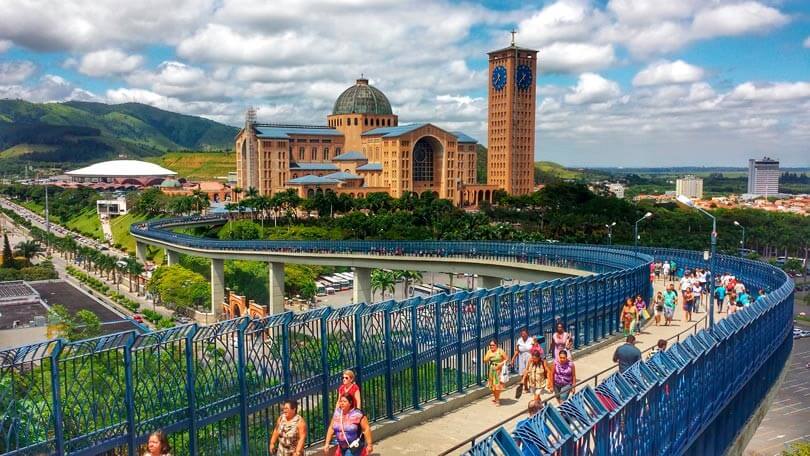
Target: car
x=138 y=318
x=183 y=320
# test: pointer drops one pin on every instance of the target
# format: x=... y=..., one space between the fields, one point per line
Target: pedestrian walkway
x=440 y=434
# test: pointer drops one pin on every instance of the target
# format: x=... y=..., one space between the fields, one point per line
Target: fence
x=216 y=389
x=694 y=398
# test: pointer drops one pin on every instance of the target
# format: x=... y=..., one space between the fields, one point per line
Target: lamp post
x=686 y=201
x=610 y=232
x=635 y=230
x=742 y=241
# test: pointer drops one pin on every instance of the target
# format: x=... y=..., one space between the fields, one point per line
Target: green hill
x=78 y=132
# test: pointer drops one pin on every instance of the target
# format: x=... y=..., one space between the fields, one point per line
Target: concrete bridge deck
x=437 y=435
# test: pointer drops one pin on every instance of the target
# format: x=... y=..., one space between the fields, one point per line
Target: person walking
x=665 y=271
x=733 y=306
x=627 y=354
x=158 y=445
x=688 y=304
x=563 y=377
x=641 y=307
x=349 y=386
x=761 y=296
x=561 y=340
x=290 y=432
x=628 y=316
x=670 y=303
x=350 y=426
x=535 y=377
x=495 y=358
x=720 y=297
x=522 y=355
x=658 y=305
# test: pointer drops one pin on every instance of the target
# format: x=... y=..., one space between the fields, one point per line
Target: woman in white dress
x=523 y=351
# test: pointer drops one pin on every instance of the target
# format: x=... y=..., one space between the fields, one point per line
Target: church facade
x=363 y=149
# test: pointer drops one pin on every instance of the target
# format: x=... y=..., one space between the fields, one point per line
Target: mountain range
x=79 y=132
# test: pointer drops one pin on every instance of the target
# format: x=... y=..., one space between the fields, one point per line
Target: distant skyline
x=633 y=83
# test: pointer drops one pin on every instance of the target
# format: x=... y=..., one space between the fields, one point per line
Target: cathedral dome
x=362 y=98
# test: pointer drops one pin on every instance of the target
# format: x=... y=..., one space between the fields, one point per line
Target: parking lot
x=60 y=292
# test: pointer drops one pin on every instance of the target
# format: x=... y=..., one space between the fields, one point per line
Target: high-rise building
x=763 y=176
x=690 y=186
x=510 y=130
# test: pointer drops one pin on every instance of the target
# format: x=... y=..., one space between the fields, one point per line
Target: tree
x=84 y=324
x=382 y=280
x=28 y=250
x=8 y=256
x=180 y=288
x=408 y=277
x=150 y=202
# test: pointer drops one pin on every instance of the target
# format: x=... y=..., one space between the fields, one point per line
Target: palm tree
x=382 y=280
x=408 y=277
x=236 y=192
x=28 y=250
x=200 y=199
x=251 y=192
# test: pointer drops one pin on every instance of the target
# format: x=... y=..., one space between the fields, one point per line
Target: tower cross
x=513 y=36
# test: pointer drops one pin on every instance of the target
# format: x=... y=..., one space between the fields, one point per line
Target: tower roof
x=362 y=98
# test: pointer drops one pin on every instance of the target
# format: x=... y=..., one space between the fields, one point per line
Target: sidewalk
x=437 y=435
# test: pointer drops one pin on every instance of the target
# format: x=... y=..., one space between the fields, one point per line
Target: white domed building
x=120 y=175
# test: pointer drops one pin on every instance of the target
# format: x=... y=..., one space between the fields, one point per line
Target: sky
x=621 y=82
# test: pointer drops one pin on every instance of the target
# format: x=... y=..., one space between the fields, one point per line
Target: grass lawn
x=197 y=165
x=121 y=237
x=87 y=223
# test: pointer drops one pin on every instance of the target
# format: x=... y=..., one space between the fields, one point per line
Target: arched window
x=326 y=153
x=365 y=121
x=355 y=121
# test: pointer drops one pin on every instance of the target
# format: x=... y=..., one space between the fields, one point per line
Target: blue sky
x=621 y=83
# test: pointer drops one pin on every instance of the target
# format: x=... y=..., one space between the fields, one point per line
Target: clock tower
x=510 y=129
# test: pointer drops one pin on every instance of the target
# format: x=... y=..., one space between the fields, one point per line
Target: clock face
x=419 y=154
x=523 y=77
x=498 y=77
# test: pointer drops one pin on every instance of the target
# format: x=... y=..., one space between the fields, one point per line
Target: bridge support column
x=361 y=292
x=172 y=257
x=276 y=288
x=217 y=286
x=489 y=282
x=140 y=251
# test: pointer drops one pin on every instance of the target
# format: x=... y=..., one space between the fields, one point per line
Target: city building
x=690 y=186
x=364 y=149
x=111 y=207
x=217 y=192
x=617 y=189
x=763 y=176
x=511 y=122
x=118 y=175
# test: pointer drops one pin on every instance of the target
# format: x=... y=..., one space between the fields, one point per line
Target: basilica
x=363 y=148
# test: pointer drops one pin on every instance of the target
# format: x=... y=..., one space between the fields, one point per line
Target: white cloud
x=48 y=88
x=737 y=19
x=779 y=91
x=45 y=25
x=592 y=88
x=14 y=72
x=575 y=57
x=564 y=20
x=107 y=62
x=807 y=42
x=651 y=11
x=667 y=72
x=5 y=45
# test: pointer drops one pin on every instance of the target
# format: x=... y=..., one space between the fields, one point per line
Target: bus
x=422 y=290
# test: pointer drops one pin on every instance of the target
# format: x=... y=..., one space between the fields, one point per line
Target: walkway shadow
x=507 y=401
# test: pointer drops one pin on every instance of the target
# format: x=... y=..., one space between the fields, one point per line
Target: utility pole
x=47 y=223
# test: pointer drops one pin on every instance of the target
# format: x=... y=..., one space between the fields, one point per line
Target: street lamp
x=610 y=232
x=635 y=230
x=742 y=241
x=686 y=201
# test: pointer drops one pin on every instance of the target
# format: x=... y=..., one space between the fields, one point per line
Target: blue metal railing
x=216 y=389
x=693 y=398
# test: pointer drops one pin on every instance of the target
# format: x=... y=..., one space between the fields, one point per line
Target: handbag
x=519 y=391
x=645 y=314
x=504 y=374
